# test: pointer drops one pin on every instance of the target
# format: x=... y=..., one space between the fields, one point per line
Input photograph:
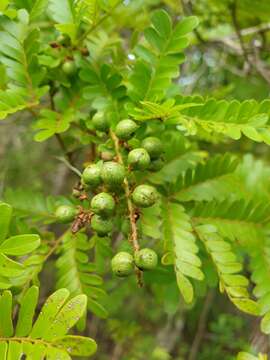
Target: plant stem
x=201 y=325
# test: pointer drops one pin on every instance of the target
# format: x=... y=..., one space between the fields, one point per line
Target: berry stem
x=131 y=210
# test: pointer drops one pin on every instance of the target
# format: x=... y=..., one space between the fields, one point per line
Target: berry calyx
x=139 y=159
x=100 y=122
x=69 y=67
x=65 y=213
x=146 y=259
x=103 y=204
x=144 y=195
x=101 y=226
x=122 y=264
x=125 y=129
x=153 y=146
x=91 y=175
x=112 y=173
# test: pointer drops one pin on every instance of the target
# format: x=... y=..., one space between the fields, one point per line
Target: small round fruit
x=100 y=122
x=69 y=67
x=102 y=226
x=139 y=159
x=125 y=129
x=103 y=204
x=156 y=165
x=112 y=173
x=146 y=259
x=144 y=196
x=107 y=155
x=76 y=193
x=153 y=146
x=63 y=40
x=91 y=175
x=65 y=213
x=122 y=264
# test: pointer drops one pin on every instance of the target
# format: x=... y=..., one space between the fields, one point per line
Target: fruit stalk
x=131 y=210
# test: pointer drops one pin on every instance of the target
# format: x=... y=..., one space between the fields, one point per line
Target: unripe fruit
x=103 y=204
x=125 y=129
x=156 y=165
x=63 y=40
x=69 y=67
x=101 y=226
x=76 y=193
x=139 y=159
x=153 y=146
x=144 y=195
x=146 y=259
x=122 y=264
x=107 y=155
x=112 y=173
x=65 y=213
x=91 y=175
x=100 y=122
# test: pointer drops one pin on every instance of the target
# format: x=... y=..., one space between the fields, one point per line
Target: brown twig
x=233 y=9
x=201 y=325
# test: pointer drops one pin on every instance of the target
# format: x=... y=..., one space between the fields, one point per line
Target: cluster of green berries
x=123 y=262
x=110 y=175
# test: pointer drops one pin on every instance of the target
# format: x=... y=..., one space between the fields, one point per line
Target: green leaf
x=77 y=345
x=27 y=311
x=162 y=23
x=49 y=311
x=228 y=118
x=185 y=287
x=179 y=240
x=20 y=244
x=5 y=217
x=70 y=313
x=265 y=323
x=97 y=308
x=6 y=325
x=60 y=316
x=38 y=9
x=246 y=356
x=227 y=266
x=75 y=272
x=158 y=63
x=52 y=122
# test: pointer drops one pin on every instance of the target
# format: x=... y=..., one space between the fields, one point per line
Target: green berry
x=112 y=173
x=122 y=264
x=100 y=122
x=91 y=175
x=153 y=146
x=63 y=40
x=146 y=259
x=69 y=67
x=65 y=213
x=144 y=195
x=103 y=204
x=107 y=155
x=156 y=165
x=101 y=226
x=76 y=193
x=139 y=159
x=125 y=129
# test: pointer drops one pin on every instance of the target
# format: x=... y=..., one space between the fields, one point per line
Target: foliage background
x=228 y=58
